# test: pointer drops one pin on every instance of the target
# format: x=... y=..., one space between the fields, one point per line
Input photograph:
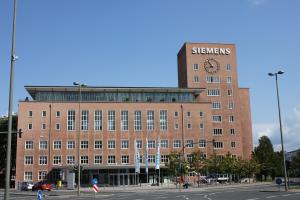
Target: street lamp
x=282 y=148
x=79 y=85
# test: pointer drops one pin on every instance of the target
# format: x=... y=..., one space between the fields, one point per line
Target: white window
x=28 y=160
x=216 y=105
x=124 y=120
x=164 y=144
x=229 y=79
x=57 y=126
x=84 y=160
x=213 y=92
x=29 y=126
x=229 y=92
x=201 y=114
x=125 y=159
x=196 y=79
x=98 y=160
x=151 y=158
x=43 y=126
x=202 y=143
x=176 y=126
x=189 y=157
x=163 y=120
x=111 y=120
x=195 y=66
x=218 y=145
x=43 y=160
x=98 y=120
x=42 y=175
x=28 y=144
x=124 y=144
x=230 y=105
x=232 y=145
x=151 y=144
x=164 y=159
x=84 y=120
x=57 y=114
x=30 y=113
x=27 y=176
x=189 y=125
x=139 y=144
x=217 y=131
x=189 y=144
x=231 y=118
x=217 y=118
x=150 y=120
x=137 y=120
x=70 y=160
x=98 y=144
x=43 y=144
x=56 y=144
x=213 y=79
x=56 y=160
x=228 y=67
x=44 y=114
x=111 y=159
x=71 y=120
x=188 y=114
x=232 y=131
x=111 y=144
x=177 y=143
x=71 y=144
x=84 y=144
x=201 y=125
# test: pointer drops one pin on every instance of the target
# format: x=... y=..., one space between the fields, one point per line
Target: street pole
x=10 y=107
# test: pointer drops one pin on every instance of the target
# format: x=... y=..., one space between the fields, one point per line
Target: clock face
x=211 y=66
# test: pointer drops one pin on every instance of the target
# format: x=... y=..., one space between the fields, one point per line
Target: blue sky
x=135 y=43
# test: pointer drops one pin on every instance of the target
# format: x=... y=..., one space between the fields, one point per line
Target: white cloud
x=291 y=132
x=257 y=2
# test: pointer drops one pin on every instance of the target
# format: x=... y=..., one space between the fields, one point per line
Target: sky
x=135 y=43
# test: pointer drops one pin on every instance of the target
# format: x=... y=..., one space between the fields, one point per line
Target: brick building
x=207 y=106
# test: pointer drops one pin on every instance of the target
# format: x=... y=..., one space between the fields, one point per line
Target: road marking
x=286 y=195
x=206 y=197
x=230 y=191
x=161 y=197
x=270 y=197
x=253 y=199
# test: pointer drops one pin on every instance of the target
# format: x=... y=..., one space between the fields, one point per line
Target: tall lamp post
x=282 y=148
x=79 y=85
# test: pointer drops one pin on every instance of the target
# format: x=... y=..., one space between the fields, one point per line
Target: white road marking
x=206 y=197
x=230 y=191
x=286 y=195
x=270 y=197
x=253 y=199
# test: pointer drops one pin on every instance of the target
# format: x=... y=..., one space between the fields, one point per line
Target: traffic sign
x=278 y=181
x=40 y=195
x=94 y=181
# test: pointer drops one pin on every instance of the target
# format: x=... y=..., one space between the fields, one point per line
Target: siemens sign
x=206 y=50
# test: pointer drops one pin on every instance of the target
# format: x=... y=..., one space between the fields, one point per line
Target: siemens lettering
x=205 y=50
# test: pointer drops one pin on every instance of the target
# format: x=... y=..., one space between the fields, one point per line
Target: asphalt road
x=235 y=193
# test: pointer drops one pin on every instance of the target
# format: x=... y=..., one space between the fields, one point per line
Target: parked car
x=27 y=185
x=42 y=186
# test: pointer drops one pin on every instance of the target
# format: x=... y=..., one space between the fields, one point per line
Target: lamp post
x=280 y=125
x=79 y=85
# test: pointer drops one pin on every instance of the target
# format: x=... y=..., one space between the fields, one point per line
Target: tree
x=295 y=165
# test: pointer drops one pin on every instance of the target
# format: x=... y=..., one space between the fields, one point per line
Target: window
x=232 y=144
x=164 y=144
x=43 y=144
x=195 y=66
x=29 y=126
x=150 y=120
x=71 y=120
x=70 y=160
x=71 y=144
x=97 y=160
x=42 y=175
x=176 y=126
x=111 y=159
x=28 y=160
x=188 y=114
x=28 y=144
x=229 y=79
x=43 y=126
x=213 y=79
x=151 y=158
x=56 y=160
x=30 y=113
x=44 y=113
x=84 y=144
x=228 y=67
x=98 y=144
x=216 y=105
x=57 y=114
x=230 y=105
x=137 y=120
x=213 y=92
x=177 y=143
x=124 y=120
x=57 y=126
x=189 y=157
x=189 y=125
x=139 y=144
x=201 y=114
x=84 y=160
x=164 y=159
x=196 y=79
x=217 y=131
x=232 y=131
x=111 y=120
x=217 y=118
x=163 y=120
x=202 y=143
x=189 y=144
x=201 y=125
x=218 y=145
x=111 y=144
x=175 y=114
x=229 y=92
x=84 y=120
x=231 y=118
x=124 y=144
x=98 y=120
x=151 y=144
x=43 y=160
x=125 y=159
x=56 y=144
x=27 y=176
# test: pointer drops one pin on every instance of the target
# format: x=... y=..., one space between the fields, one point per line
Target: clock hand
x=211 y=66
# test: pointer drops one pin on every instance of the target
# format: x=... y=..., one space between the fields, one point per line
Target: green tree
x=295 y=165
